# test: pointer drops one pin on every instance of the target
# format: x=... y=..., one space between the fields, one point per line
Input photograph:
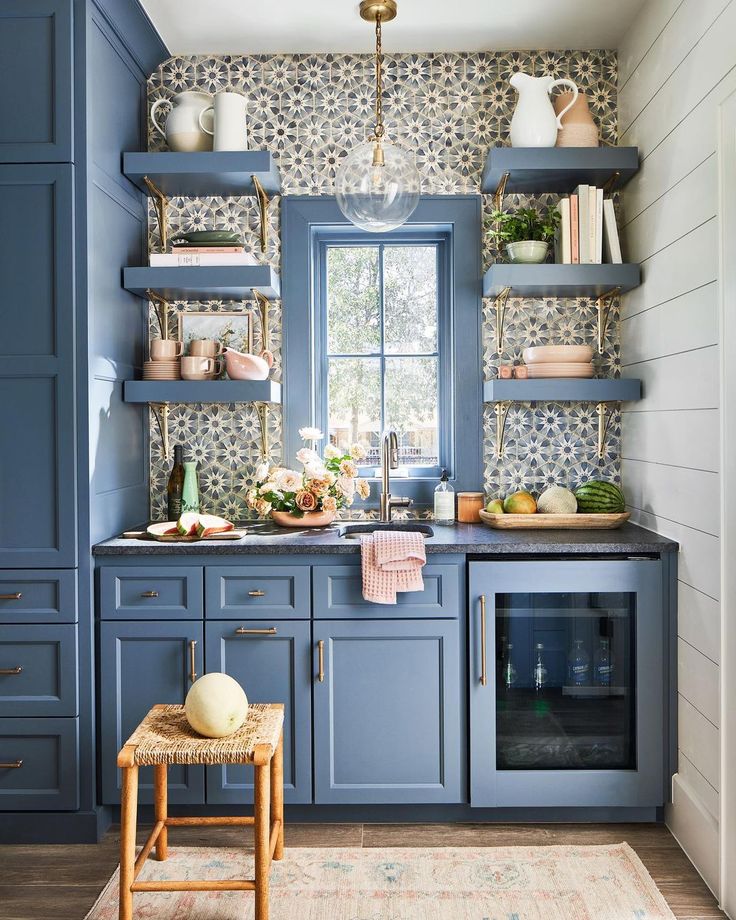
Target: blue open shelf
x=200 y=175
x=554 y=280
x=201 y=391
x=624 y=389
x=558 y=169
x=203 y=282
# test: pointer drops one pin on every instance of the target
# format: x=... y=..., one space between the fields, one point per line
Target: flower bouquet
x=312 y=497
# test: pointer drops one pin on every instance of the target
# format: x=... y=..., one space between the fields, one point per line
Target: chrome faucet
x=389 y=461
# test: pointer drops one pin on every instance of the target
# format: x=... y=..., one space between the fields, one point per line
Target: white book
x=182 y=259
x=612 y=241
x=583 y=223
x=565 y=241
x=599 y=225
x=592 y=205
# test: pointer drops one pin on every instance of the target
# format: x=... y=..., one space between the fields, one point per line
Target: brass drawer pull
x=16 y=596
x=257 y=593
x=4 y=671
x=242 y=631
x=15 y=765
x=150 y=594
x=321 y=656
x=483 y=669
x=192 y=661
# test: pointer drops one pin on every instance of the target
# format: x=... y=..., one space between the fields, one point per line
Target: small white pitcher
x=231 y=131
x=534 y=123
x=184 y=131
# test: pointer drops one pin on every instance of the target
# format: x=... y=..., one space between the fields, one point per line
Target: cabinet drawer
x=151 y=592
x=38 y=670
x=45 y=596
x=257 y=591
x=38 y=765
x=338 y=594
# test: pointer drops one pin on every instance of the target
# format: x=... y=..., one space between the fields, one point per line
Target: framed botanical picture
x=233 y=330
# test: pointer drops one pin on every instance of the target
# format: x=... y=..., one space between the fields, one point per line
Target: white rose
x=315 y=471
x=262 y=472
x=310 y=434
x=346 y=485
x=288 y=480
x=332 y=452
x=357 y=452
x=306 y=455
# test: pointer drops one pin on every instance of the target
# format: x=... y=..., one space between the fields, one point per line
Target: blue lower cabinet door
x=38 y=670
x=389 y=723
x=271 y=661
x=141 y=664
x=39 y=762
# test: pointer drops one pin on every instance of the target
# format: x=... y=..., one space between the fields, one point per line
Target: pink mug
x=165 y=349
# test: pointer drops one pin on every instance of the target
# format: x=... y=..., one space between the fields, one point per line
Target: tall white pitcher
x=230 y=122
x=534 y=123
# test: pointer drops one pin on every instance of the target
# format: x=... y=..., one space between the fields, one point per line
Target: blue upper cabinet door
x=37 y=461
x=388 y=717
x=142 y=664
x=270 y=659
x=566 y=684
x=36 y=70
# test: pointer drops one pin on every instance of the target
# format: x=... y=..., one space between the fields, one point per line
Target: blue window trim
x=306 y=220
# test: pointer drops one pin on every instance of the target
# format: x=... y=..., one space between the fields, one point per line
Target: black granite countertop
x=470 y=539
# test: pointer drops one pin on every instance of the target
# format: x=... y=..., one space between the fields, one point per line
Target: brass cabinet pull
x=15 y=596
x=257 y=593
x=15 y=765
x=5 y=671
x=150 y=594
x=256 y=632
x=483 y=670
x=192 y=662
x=321 y=656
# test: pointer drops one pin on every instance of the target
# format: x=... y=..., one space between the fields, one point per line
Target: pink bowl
x=563 y=354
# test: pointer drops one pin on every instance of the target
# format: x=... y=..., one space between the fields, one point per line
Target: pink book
x=202 y=250
x=574 y=230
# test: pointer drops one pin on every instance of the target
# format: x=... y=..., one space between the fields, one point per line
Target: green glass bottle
x=190 y=493
x=175 y=487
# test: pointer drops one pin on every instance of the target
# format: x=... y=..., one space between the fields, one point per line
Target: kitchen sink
x=356 y=531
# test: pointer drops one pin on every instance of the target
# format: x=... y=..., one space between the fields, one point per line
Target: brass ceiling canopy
x=370 y=10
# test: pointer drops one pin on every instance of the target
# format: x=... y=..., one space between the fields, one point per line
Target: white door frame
x=727 y=288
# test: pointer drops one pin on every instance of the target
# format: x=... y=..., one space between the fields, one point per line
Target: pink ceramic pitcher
x=242 y=366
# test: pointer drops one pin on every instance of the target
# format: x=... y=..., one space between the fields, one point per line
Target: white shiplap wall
x=676 y=64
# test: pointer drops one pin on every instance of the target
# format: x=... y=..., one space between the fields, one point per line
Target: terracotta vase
x=308 y=519
x=578 y=128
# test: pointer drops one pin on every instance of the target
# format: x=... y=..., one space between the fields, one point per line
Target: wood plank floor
x=55 y=882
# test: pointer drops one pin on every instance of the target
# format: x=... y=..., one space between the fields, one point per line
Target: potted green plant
x=526 y=233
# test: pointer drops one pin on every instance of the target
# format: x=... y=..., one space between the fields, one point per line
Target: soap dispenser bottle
x=444 y=501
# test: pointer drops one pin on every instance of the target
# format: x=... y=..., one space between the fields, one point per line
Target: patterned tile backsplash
x=310 y=110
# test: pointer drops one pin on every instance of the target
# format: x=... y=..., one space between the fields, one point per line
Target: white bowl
x=527 y=252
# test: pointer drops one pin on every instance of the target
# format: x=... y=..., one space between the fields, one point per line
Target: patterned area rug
x=450 y=883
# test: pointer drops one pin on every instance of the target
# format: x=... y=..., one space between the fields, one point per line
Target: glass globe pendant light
x=378 y=184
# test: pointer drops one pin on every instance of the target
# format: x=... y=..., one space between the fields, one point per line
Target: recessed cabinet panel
x=271 y=661
x=45 y=596
x=151 y=592
x=38 y=670
x=39 y=765
x=248 y=591
x=142 y=664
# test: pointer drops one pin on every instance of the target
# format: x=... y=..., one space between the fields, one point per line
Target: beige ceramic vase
x=578 y=128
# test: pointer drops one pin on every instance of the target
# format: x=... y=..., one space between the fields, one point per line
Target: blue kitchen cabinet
x=143 y=663
x=37 y=367
x=270 y=659
x=39 y=764
x=388 y=714
x=566 y=673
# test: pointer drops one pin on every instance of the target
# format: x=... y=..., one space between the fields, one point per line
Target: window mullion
x=382 y=302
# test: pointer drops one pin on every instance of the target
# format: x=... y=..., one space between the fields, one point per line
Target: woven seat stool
x=164 y=737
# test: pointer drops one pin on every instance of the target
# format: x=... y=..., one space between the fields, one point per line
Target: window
x=382 y=312
x=383 y=331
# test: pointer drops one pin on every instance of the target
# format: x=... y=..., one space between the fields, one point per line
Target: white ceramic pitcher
x=230 y=122
x=534 y=123
x=183 y=133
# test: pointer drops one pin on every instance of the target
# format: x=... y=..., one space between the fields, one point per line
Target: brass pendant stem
x=379 y=132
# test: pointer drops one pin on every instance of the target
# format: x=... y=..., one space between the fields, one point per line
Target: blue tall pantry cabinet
x=72 y=454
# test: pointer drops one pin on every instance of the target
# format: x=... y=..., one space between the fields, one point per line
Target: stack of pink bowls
x=559 y=361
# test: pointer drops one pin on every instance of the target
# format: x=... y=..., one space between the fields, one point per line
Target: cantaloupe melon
x=216 y=705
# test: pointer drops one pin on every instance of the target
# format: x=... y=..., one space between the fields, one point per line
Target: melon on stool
x=216 y=705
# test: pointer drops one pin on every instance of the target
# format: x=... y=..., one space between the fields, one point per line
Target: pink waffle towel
x=391 y=561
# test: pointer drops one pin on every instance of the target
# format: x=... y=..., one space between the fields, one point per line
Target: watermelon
x=187 y=524
x=599 y=497
x=210 y=523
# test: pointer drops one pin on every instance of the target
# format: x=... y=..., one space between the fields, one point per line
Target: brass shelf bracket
x=160 y=204
x=263 y=306
x=611 y=182
x=605 y=417
x=501 y=317
x=501 y=409
x=500 y=191
x=263 y=210
x=161 y=414
x=263 y=412
x=162 y=307
x=604 y=303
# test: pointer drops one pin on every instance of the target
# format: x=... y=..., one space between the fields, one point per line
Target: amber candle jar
x=468 y=506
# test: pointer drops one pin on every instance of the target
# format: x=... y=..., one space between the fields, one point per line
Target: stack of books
x=587 y=233
x=204 y=247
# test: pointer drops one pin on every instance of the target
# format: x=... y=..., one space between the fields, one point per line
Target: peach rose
x=305 y=500
x=329 y=503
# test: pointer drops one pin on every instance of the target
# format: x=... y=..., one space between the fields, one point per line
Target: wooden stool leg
x=128 y=818
x=277 y=795
x=161 y=808
x=262 y=847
